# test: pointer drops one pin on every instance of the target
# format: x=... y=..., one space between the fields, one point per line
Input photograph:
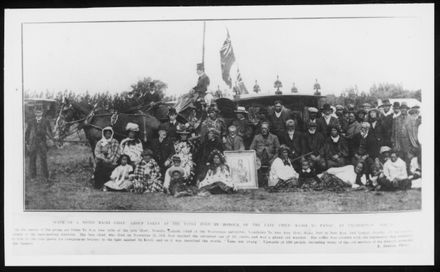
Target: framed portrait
x=243 y=168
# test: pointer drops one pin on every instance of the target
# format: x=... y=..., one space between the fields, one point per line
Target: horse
x=75 y=117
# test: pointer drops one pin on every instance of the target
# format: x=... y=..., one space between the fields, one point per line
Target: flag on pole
x=240 y=84
x=227 y=58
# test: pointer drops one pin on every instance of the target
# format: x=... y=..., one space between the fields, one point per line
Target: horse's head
x=65 y=118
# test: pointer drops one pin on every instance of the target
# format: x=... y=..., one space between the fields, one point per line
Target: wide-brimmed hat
x=404 y=105
x=374 y=109
x=326 y=107
x=414 y=109
x=132 y=127
x=384 y=149
x=313 y=110
x=396 y=104
x=241 y=109
x=386 y=102
x=172 y=111
x=366 y=105
x=147 y=152
x=340 y=107
x=174 y=169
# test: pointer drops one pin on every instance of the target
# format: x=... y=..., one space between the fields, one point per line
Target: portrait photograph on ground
x=245 y=115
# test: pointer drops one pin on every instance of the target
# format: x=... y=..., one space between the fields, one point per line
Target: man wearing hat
x=327 y=121
x=376 y=127
x=202 y=82
x=400 y=137
x=311 y=118
x=292 y=138
x=152 y=95
x=171 y=125
x=243 y=125
x=387 y=120
x=35 y=139
x=365 y=147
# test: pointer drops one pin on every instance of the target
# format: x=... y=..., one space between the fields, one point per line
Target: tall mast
x=203 y=47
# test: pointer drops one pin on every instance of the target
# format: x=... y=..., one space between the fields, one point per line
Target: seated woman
x=396 y=176
x=107 y=154
x=335 y=149
x=132 y=145
x=147 y=174
x=218 y=176
x=184 y=149
x=352 y=176
x=415 y=169
x=121 y=178
x=282 y=174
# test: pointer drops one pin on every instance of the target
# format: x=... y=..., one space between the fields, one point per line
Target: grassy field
x=71 y=189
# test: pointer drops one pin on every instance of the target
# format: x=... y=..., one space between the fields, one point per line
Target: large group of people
x=366 y=147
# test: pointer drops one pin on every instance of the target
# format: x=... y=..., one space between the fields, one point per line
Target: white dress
x=279 y=170
x=346 y=174
x=119 y=179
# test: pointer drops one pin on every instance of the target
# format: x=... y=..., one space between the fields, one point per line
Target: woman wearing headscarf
x=132 y=145
x=218 y=176
x=107 y=153
x=282 y=173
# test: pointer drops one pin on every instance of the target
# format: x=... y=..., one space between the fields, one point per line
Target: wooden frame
x=243 y=166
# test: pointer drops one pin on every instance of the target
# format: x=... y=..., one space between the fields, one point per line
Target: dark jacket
x=339 y=148
x=313 y=143
x=37 y=132
x=278 y=124
x=162 y=150
x=378 y=132
x=372 y=147
x=171 y=129
x=295 y=144
x=324 y=128
x=202 y=85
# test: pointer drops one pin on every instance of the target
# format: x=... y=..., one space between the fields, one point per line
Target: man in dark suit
x=386 y=120
x=292 y=138
x=365 y=147
x=172 y=124
x=327 y=121
x=36 y=134
x=278 y=119
x=202 y=82
x=163 y=148
x=376 y=127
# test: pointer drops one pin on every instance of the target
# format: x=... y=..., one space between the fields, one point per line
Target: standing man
x=35 y=138
x=353 y=128
x=400 y=134
x=327 y=121
x=171 y=125
x=278 y=118
x=244 y=127
x=387 y=120
x=376 y=127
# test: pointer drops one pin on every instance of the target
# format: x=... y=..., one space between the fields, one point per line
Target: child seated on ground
x=178 y=185
x=121 y=178
x=307 y=174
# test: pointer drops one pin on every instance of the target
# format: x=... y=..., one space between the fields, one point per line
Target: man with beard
x=278 y=118
x=266 y=146
x=365 y=147
x=387 y=120
x=244 y=127
x=327 y=121
x=233 y=141
x=314 y=143
x=292 y=138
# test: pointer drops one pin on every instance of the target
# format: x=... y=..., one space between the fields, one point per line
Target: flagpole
x=203 y=47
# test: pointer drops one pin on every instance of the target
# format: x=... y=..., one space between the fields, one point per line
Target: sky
x=340 y=53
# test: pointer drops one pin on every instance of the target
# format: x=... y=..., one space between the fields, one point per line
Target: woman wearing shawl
x=107 y=153
x=282 y=173
x=218 y=177
x=147 y=174
x=132 y=145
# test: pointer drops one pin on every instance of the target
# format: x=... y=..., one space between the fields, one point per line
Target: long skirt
x=217 y=188
x=387 y=185
x=102 y=174
x=125 y=185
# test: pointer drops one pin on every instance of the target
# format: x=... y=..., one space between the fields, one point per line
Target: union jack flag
x=240 y=84
x=227 y=58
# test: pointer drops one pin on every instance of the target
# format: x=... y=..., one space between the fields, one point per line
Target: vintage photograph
x=249 y=115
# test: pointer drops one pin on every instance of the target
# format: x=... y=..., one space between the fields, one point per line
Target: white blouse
x=280 y=171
